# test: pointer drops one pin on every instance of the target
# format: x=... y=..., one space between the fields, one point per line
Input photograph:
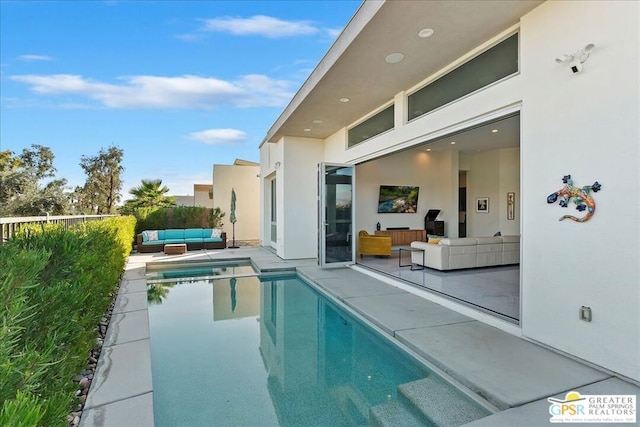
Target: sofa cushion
x=153 y=242
x=160 y=234
x=145 y=236
x=151 y=235
x=193 y=233
x=489 y=240
x=212 y=239
x=173 y=234
x=193 y=240
x=462 y=241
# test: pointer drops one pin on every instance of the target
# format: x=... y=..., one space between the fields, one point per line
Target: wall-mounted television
x=398 y=199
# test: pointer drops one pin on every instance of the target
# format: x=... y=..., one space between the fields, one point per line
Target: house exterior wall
x=299 y=211
x=246 y=183
x=584 y=124
x=293 y=162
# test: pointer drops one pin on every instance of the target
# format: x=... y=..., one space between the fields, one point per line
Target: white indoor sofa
x=467 y=252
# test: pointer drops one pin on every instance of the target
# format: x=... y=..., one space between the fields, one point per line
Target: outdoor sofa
x=195 y=238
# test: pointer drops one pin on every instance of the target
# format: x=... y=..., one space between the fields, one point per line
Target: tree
x=150 y=194
x=23 y=190
x=101 y=191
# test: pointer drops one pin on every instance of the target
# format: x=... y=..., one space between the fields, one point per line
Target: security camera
x=576 y=66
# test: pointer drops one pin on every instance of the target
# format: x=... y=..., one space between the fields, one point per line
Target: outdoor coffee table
x=412 y=265
x=175 y=249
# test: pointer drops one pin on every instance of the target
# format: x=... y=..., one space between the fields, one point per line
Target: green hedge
x=55 y=286
x=177 y=217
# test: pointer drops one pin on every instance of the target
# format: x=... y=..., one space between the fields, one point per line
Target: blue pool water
x=238 y=351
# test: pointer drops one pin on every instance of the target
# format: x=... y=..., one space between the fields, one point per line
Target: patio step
x=427 y=402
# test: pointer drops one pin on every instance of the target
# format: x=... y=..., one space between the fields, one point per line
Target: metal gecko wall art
x=581 y=197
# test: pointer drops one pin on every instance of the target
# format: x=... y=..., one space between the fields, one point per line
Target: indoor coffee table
x=412 y=265
x=175 y=249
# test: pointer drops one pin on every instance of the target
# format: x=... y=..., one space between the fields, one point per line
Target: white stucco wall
x=299 y=181
x=296 y=187
x=586 y=125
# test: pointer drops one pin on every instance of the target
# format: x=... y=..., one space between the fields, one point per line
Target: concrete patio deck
x=512 y=374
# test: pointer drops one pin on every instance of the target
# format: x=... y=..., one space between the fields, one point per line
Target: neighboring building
x=243 y=177
x=184 y=200
x=202 y=196
x=488 y=65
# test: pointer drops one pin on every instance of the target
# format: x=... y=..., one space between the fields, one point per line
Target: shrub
x=178 y=217
x=55 y=286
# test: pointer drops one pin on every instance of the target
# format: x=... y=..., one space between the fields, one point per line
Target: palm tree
x=158 y=291
x=151 y=193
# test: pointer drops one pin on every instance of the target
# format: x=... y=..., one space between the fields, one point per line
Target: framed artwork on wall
x=482 y=204
x=511 y=205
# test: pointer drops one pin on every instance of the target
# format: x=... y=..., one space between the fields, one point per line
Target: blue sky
x=178 y=85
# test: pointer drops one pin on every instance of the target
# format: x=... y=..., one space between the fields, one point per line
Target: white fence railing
x=9 y=226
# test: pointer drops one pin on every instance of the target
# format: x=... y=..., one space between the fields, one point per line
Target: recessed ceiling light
x=394 y=58
x=494 y=131
x=317 y=122
x=453 y=143
x=426 y=32
x=344 y=100
x=428 y=149
x=307 y=130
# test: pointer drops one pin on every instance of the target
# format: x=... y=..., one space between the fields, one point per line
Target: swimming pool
x=238 y=350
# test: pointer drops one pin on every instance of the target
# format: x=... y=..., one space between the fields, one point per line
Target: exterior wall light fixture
x=576 y=59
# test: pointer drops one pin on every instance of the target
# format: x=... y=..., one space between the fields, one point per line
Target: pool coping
x=123 y=379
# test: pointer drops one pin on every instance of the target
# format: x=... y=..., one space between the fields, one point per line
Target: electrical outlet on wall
x=585 y=313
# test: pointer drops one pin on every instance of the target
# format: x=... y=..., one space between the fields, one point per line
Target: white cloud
x=261 y=25
x=333 y=33
x=219 y=136
x=35 y=58
x=185 y=91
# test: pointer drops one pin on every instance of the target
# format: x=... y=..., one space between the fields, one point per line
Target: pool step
x=393 y=414
x=428 y=402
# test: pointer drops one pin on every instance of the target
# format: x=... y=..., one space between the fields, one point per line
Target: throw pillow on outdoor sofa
x=216 y=232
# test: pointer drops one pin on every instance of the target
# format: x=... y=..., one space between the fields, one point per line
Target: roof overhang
x=355 y=66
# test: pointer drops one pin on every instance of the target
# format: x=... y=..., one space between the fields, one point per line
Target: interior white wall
x=586 y=125
x=509 y=181
x=490 y=174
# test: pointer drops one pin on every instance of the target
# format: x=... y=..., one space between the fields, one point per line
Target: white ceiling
x=480 y=138
x=355 y=66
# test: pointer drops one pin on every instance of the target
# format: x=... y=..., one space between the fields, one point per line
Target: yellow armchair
x=373 y=245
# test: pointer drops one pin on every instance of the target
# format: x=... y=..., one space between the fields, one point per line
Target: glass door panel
x=335 y=214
